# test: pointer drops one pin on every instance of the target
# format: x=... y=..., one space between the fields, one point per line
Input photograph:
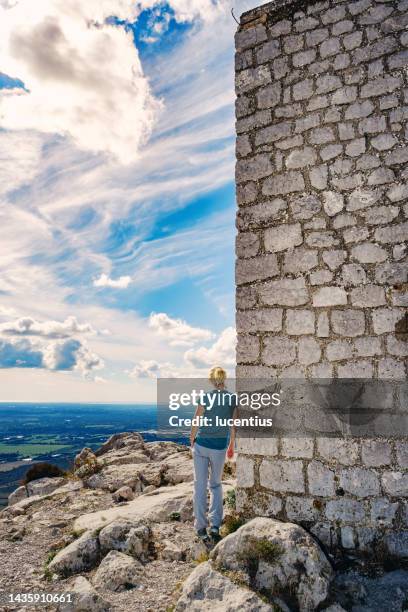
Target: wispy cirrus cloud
x=94 y=218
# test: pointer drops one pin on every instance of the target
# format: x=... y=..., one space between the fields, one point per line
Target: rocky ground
x=118 y=535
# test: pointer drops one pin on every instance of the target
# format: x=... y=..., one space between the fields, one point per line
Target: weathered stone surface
x=245 y=471
x=257 y=268
x=301 y=568
x=395 y=483
x=284 y=292
x=300 y=260
x=360 y=482
x=297 y=448
x=126 y=536
x=376 y=452
x=282 y=184
x=282 y=476
x=338 y=450
x=299 y=322
x=84 y=598
x=368 y=296
x=254 y=168
x=265 y=319
x=309 y=351
x=245 y=39
x=117 y=571
x=206 y=589
x=329 y=296
x=346 y=510
x=258 y=215
x=79 y=556
x=305 y=207
x=278 y=351
x=283 y=237
x=320 y=479
x=369 y=253
x=333 y=202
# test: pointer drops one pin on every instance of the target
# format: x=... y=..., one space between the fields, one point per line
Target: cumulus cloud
x=20 y=354
x=176 y=331
x=104 y=280
x=82 y=74
x=195 y=362
x=82 y=71
x=70 y=354
x=222 y=352
x=27 y=326
x=49 y=345
x=153 y=369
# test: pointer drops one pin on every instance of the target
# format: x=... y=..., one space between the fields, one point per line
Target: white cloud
x=222 y=352
x=27 y=326
x=63 y=355
x=84 y=77
x=195 y=363
x=176 y=331
x=69 y=355
x=122 y=282
x=153 y=369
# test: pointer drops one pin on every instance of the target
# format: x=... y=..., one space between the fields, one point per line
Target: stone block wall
x=322 y=192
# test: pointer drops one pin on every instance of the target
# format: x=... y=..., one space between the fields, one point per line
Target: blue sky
x=116 y=196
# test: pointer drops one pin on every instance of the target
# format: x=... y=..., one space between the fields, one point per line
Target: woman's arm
x=199 y=412
x=231 y=445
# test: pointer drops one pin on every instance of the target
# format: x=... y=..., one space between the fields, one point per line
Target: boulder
x=121 y=440
x=123 y=494
x=84 y=598
x=17 y=495
x=279 y=557
x=159 y=451
x=85 y=463
x=81 y=555
x=113 y=477
x=171 y=551
x=42 y=486
x=208 y=590
x=132 y=537
x=117 y=572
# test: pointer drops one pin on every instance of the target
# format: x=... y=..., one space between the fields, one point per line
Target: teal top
x=215 y=435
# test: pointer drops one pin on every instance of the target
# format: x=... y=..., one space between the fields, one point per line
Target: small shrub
x=174 y=516
x=50 y=556
x=232 y=522
x=230 y=499
x=259 y=550
x=42 y=470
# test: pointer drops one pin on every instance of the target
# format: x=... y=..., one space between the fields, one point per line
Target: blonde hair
x=217 y=376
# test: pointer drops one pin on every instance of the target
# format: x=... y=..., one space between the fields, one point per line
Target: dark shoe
x=214 y=533
x=203 y=535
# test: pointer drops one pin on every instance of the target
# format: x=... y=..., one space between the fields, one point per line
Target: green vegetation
x=42 y=470
x=230 y=499
x=232 y=522
x=261 y=550
x=30 y=450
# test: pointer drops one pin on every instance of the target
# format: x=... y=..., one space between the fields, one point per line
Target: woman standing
x=210 y=443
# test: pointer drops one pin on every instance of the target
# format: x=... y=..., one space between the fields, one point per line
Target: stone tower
x=322 y=191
